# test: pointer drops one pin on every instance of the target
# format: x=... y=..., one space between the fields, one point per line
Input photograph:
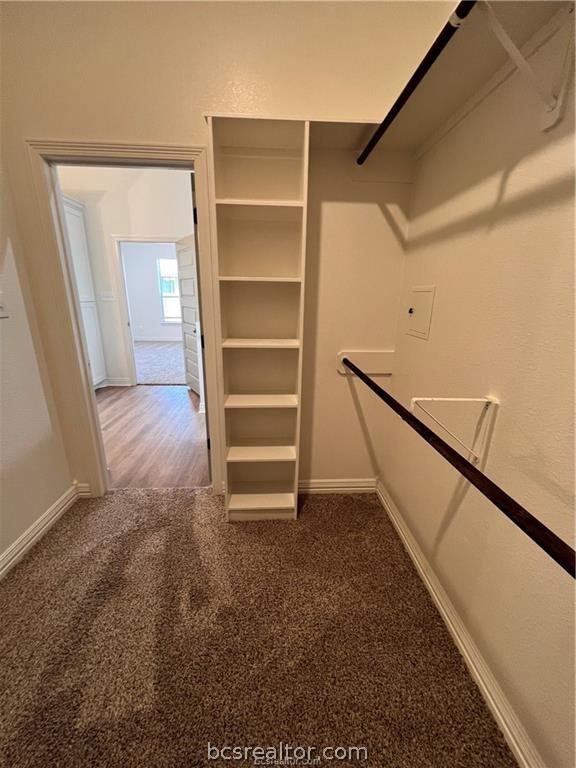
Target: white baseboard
x=354 y=485
x=83 y=490
x=18 y=549
x=120 y=382
x=511 y=727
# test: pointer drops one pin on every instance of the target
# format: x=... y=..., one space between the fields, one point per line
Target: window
x=169 y=290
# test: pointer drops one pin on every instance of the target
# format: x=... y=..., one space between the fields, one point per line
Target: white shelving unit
x=260 y=181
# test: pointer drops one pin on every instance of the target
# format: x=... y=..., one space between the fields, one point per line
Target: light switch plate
x=420 y=306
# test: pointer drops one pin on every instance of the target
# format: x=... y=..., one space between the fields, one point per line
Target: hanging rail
x=553 y=545
x=448 y=30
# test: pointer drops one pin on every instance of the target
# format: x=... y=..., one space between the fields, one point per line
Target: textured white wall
x=319 y=60
x=143 y=289
x=492 y=226
x=354 y=268
x=34 y=468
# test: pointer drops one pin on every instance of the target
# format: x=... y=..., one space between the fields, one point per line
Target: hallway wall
x=33 y=463
x=492 y=227
x=126 y=202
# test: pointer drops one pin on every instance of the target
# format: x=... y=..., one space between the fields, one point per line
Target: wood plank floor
x=154 y=437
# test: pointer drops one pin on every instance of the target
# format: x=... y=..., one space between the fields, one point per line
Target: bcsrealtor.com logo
x=285 y=754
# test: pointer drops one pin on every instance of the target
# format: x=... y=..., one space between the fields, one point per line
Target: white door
x=191 y=331
x=76 y=228
x=93 y=341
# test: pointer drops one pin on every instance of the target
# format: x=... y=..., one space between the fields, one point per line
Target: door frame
x=85 y=448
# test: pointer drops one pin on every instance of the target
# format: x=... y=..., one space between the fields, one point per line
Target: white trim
x=217 y=426
x=84 y=491
x=18 y=549
x=354 y=485
x=516 y=736
x=56 y=216
x=64 y=151
x=300 y=118
x=118 y=382
x=301 y=308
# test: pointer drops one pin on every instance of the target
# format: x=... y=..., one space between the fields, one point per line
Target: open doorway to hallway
x=133 y=260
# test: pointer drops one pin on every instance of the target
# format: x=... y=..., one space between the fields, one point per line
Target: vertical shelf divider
x=302 y=296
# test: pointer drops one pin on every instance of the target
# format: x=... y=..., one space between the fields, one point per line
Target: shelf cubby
x=253 y=507
x=260 y=184
x=260 y=310
x=258 y=477
x=259 y=241
x=256 y=489
x=252 y=427
x=260 y=371
x=258 y=159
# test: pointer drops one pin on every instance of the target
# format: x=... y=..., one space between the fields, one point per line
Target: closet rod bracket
x=552 y=103
x=489 y=403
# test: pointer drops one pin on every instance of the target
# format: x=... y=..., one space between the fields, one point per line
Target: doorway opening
x=133 y=251
x=161 y=289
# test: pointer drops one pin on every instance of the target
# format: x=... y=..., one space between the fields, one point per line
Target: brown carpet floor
x=143 y=626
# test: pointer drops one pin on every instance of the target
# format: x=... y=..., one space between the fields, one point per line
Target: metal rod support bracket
x=547 y=98
x=487 y=402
